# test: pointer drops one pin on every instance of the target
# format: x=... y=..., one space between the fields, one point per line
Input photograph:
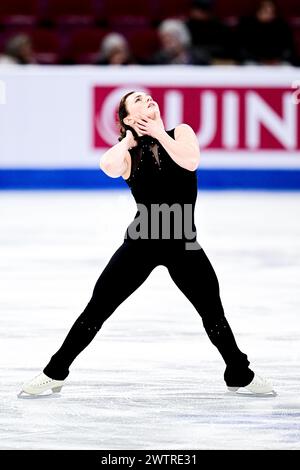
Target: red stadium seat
x=84 y=45
x=234 y=8
x=144 y=43
x=71 y=12
x=19 y=12
x=2 y=42
x=46 y=46
x=172 y=9
x=125 y=16
x=296 y=33
x=133 y=8
x=289 y=8
x=126 y=24
x=237 y=8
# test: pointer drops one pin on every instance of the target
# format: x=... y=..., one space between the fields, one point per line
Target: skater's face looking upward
x=140 y=103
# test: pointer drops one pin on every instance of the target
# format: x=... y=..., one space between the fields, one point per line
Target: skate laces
x=260 y=381
x=41 y=379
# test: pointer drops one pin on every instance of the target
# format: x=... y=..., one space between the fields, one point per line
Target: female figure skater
x=159 y=166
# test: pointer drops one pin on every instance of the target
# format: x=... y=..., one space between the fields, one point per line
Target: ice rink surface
x=150 y=379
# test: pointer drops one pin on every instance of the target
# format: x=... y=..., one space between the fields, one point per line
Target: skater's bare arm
x=115 y=161
x=184 y=149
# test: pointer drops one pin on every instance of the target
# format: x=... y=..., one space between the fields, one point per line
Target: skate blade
x=23 y=394
x=243 y=392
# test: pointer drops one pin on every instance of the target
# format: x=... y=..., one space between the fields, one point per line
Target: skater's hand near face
x=148 y=126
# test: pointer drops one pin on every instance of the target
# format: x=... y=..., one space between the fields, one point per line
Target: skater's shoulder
x=182 y=129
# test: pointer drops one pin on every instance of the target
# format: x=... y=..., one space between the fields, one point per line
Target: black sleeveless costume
x=156 y=179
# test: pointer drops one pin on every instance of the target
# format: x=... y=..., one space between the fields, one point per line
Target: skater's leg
x=193 y=273
x=127 y=269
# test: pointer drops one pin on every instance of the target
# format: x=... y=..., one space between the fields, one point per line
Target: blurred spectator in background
x=209 y=33
x=265 y=37
x=6 y=60
x=115 y=50
x=177 y=45
x=18 y=50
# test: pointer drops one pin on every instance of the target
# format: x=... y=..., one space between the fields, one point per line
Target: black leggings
x=126 y=270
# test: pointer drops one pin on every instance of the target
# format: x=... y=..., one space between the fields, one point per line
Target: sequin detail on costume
x=146 y=143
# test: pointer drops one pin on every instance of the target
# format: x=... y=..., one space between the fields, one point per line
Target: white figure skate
x=40 y=384
x=259 y=386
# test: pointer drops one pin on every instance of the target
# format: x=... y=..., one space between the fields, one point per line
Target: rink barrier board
x=208 y=179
